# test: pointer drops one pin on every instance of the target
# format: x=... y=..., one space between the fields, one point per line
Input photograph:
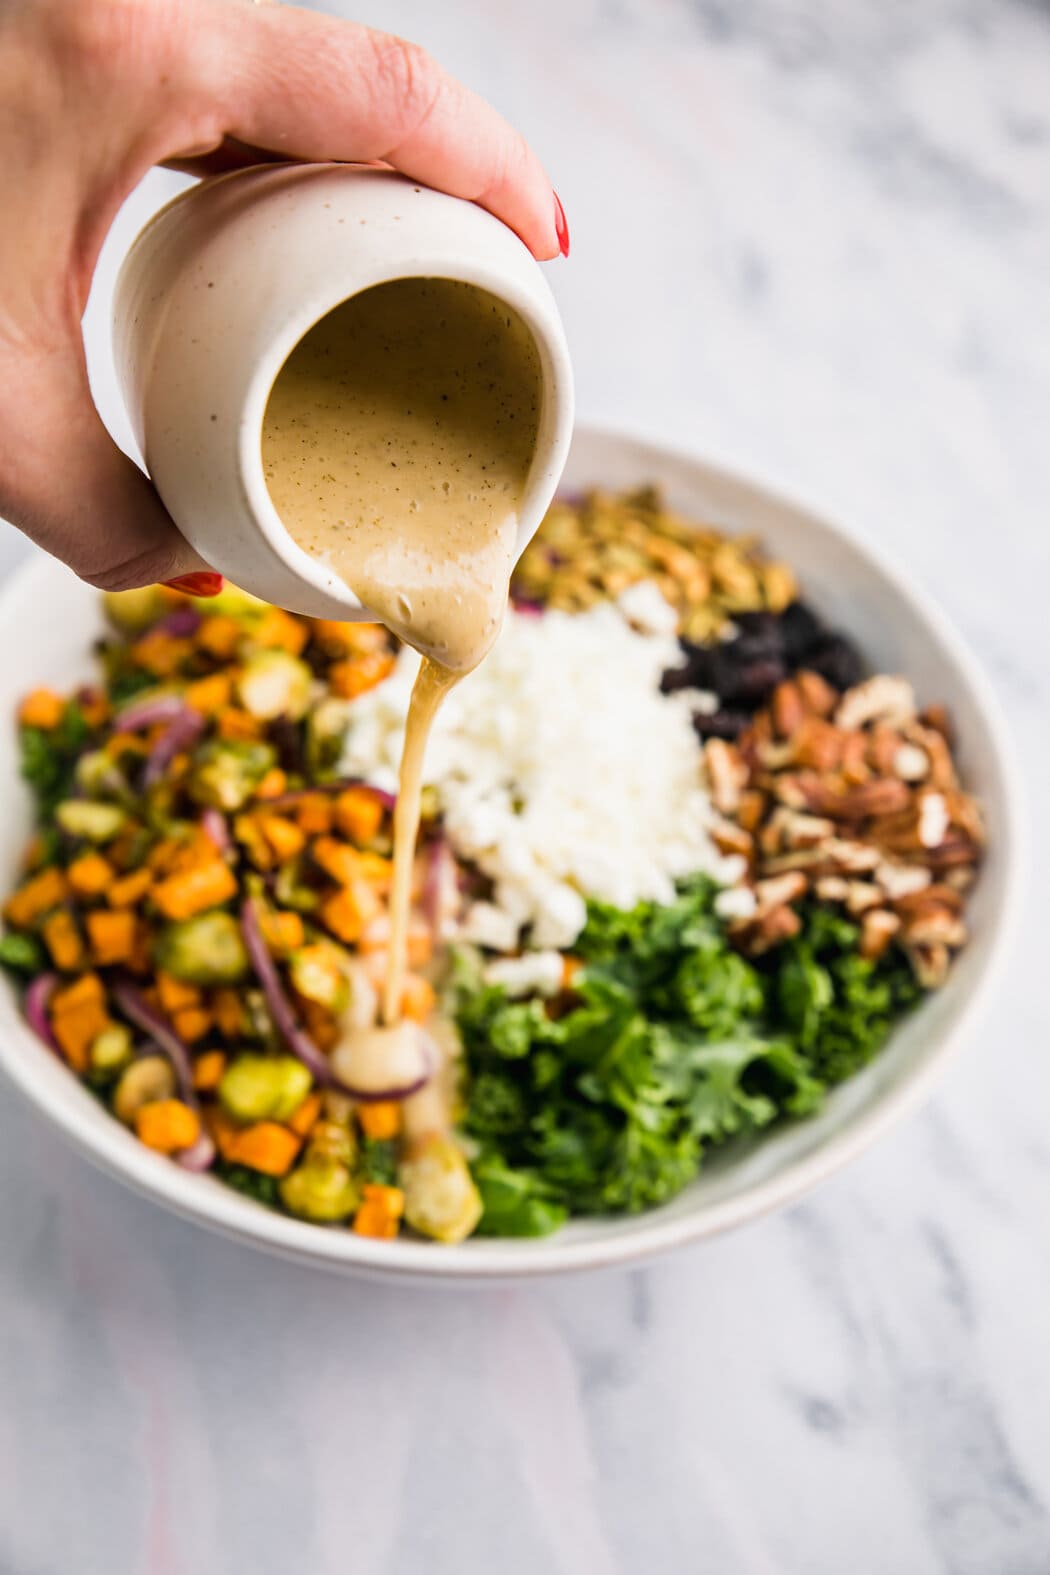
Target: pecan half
x=877 y=929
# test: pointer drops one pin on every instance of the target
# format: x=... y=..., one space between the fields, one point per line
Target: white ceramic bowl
x=219 y=288
x=47 y=621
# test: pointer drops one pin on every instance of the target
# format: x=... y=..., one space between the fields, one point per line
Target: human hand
x=93 y=93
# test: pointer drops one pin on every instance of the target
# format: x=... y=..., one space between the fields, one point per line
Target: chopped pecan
x=757 y=936
x=799 y=830
x=832 y=888
x=862 y=895
x=727 y=774
x=937 y=718
x=786 y=709
x=965 y=815
x=775 y=756
x=799 y=789
x=867 y=800
x=779 y=891
x=941 y=773
x=952 y=853
x=817 y=694
x=930 y=964
x=751 y=809
x=877 y=929
x=934 y=898
x=883 y=743
x=816 y=744
x=854 y=763
x=936 y=927
x=961 y=877
x=901 y=880
x=918 y=829
x=854 y=857
x=880 y=699
x=729 y=837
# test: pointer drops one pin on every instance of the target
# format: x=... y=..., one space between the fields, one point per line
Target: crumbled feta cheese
x=736 y=902
x=489 y=926
x=535 y=973
x=647 y=608
x=562 y=772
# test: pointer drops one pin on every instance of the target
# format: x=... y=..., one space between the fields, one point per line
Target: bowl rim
x=113 y=1150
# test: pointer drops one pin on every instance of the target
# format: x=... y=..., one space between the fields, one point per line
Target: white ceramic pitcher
x=219 y=288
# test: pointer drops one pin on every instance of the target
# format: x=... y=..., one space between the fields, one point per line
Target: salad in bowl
x=687 y=860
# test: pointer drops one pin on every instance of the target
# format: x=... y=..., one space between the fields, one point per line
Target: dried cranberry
x=752 y=683
x=766 y=624
x=675 y=679
x=837 y=659
x=800 y=630
x=702 y=662
x=721 y=724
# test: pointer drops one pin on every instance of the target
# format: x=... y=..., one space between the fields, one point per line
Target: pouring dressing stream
x=396 y=445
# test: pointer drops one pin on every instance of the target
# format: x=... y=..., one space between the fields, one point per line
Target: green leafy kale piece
x=251 y=1182
x=672 y=1043
x=49 y=758
x=22 y=953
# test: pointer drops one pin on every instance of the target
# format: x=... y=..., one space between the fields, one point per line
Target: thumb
x=66 y=484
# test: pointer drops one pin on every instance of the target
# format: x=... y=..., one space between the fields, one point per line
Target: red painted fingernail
x=560 y=227
x=205 y=583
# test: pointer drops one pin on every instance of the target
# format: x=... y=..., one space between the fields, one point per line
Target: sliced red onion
x=180 y=622
x=140 y=714
x=289 y=800
x=298 y=1040
x=527 y=607
x=213 y=823
x=139 y=1012
x=200 y=1156
x=37 y=996
x=281 y=1009
x=183 y=729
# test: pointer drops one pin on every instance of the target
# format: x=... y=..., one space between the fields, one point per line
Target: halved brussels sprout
x=90 y=820
x=320 y=1190
x=441 y=1199
x=207 y=949
x=273 y=684
x=226 y=772
x=318 y=972
x=110 y=1050
x=133 y=611
x=325 y=730
x=264 y=1088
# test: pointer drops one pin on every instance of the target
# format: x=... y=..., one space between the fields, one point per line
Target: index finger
x=309 y=86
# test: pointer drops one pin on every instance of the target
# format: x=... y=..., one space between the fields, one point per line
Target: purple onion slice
x=183 y=730
x=180 y=622
x=141 y=714
x=213 y=824
x=153 y=1023
x=200 y=1156
x=37 y=996
x=298 y=1040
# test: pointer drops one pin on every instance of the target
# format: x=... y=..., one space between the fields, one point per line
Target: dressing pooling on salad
x=396 y=445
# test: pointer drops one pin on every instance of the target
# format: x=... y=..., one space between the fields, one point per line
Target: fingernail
x=205 y=583
x=560 y=227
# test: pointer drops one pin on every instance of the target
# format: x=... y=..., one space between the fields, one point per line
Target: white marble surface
x=813 y=237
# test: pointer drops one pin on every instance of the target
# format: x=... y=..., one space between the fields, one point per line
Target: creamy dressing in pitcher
x=396 y=445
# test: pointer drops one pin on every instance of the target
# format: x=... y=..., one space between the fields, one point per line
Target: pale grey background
x=810 y=238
